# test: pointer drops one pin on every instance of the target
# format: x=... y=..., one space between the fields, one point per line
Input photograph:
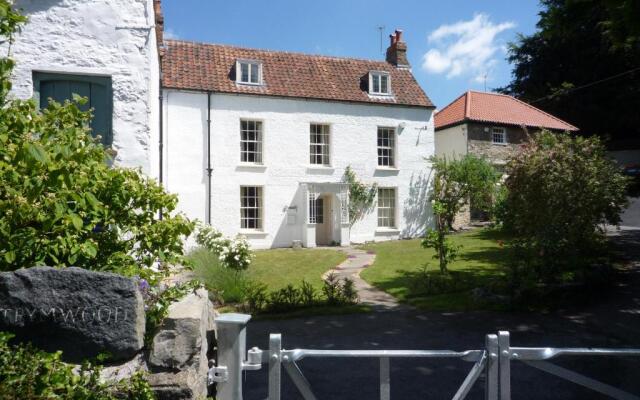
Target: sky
x=453 y=45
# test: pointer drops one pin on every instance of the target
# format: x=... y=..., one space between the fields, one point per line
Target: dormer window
x=249 y=72
x=379 y=83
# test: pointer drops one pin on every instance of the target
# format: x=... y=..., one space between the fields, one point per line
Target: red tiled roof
x=210 y=67
x=496 y=108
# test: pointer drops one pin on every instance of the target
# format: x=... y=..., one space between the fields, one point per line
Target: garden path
x=356 y=261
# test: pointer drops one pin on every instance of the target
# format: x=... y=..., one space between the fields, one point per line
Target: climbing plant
x=361 y=195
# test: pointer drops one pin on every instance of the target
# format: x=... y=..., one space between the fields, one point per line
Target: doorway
x=324 y=226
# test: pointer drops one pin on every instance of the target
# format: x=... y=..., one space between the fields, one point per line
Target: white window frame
x=325 y=146
x=251 y=65
x=377 y=75
x=497 y=130
x=387 y=206
x=259 y=141
x=391 y=147
x=257 y=205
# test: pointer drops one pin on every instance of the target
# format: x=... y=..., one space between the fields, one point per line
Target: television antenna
x=381 y=29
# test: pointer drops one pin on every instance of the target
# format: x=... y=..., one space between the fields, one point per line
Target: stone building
x=489 y=125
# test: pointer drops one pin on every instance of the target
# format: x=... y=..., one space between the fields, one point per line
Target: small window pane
x=379 y=83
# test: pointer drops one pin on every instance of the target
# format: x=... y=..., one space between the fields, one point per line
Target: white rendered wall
x=99 y=37
x=286 y=160
x=452 y=142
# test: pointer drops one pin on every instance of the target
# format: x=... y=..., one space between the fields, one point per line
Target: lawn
x=275 y=268
x=399 y=270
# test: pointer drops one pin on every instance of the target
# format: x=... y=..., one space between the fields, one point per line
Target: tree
x=456 y=183
x=582 y=65
x=560 y=189
x=60 y=202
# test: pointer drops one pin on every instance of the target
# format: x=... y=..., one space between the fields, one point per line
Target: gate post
x=505 y=365
x=275 y=368
x=232 y=343
x=492 y=377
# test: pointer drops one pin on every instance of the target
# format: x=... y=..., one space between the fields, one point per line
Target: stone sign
x=81 y=312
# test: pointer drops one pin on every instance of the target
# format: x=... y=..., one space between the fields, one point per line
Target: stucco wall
x=451 y=142
x=99 y=37
x=286 y=160
x=480 y=141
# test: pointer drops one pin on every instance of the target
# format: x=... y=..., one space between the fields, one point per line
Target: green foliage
x=338 y=291
x=27 y=373
x=456 y=183
x=225 y=284
x=60 y=202
x=549 y=65
x=560 y=190
x=157 y=301
x=232 y=253
x=361 y=195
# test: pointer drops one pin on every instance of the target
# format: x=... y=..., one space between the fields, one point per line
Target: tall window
x=386 y=147
x=251 y=141
x=316 y=208
x=251 y=207
x=97 y=89
x=248 y=72
x=319 y=148
x=498 y=136
x=379 y=83
x=386 y=208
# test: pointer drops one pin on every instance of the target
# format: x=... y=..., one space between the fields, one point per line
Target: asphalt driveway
x=613 y=322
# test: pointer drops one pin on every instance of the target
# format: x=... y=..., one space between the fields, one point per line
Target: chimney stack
x=397 y=51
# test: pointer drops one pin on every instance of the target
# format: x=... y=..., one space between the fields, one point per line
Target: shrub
x=27 y=373
x=256 y=297
x=308 y=294
x=232 y=253
x=61 y=204
x=339 y=292
x=561 y=189
x=456 y=183
x=285 y=299
x=227 y=285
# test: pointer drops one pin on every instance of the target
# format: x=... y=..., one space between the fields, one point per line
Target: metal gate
x=494 y=360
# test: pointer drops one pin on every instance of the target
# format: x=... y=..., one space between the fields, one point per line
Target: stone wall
x=86 y=313
x=112 y=38
x=479 y=141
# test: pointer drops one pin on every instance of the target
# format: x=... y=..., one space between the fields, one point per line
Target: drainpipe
x=209 y=169
x=160 y=137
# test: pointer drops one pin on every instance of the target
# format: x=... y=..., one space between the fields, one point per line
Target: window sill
x=250 y=232
x=499 y=144
x=251 y=166
x=249 y=84
x=387 y=231
x=320 y=167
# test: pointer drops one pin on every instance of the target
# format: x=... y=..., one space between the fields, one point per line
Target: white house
x=256 y=142
x=252 y=141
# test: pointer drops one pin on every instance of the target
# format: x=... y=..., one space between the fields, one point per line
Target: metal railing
x=494 y=361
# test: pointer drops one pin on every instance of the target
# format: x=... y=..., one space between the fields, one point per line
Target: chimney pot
x=397 y=51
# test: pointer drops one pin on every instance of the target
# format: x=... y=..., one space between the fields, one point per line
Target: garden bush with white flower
x=233 y=253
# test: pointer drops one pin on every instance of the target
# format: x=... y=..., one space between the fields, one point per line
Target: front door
x=323 y=221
